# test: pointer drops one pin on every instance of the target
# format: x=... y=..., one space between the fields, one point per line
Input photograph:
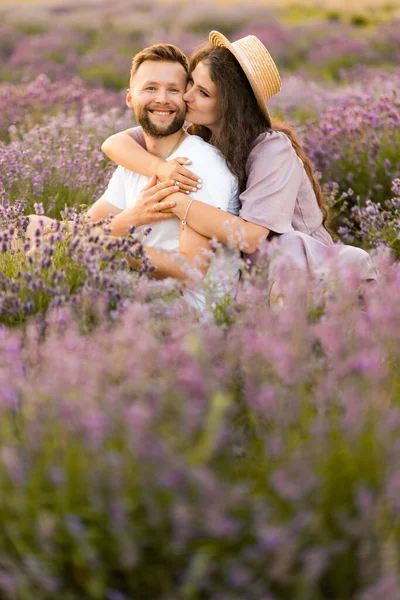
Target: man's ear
x=129 y=98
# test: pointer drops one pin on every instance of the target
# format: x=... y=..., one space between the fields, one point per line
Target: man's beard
x=143 y=119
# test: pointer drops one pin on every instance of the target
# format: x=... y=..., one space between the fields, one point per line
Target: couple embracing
x=250 y=179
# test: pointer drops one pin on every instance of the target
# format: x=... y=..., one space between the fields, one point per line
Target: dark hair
x=242 y=120
x=160 y=52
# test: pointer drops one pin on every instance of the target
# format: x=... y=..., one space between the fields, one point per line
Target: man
x=159 y=76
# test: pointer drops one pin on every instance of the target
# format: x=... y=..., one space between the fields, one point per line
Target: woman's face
x=201 y=98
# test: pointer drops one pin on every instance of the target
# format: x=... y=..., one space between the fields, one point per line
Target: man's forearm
x=121 y=224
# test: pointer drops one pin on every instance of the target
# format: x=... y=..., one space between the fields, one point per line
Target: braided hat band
x=257 y=64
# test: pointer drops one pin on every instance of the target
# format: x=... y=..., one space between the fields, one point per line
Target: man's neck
x=163 y=146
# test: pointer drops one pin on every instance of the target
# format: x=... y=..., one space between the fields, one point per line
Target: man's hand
x=152 y=203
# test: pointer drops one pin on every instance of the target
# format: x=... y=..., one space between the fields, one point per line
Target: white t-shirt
x=219 y=188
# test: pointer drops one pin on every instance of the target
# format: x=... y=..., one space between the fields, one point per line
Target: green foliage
x=31 y=27
x=296 y=13
x=204 y=25
x=7 y=75
x=57 y=56
x=334 y=16
x=354 y=169
x=330 y=70
x=105 y=75
x=302 y=114
x=223 y=310
x=15 y=266
x=360 y=21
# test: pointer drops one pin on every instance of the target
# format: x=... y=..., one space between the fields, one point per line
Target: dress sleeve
x=138 y=136
x=275 y=174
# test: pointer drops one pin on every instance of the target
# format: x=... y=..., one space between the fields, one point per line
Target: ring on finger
x=177 y=183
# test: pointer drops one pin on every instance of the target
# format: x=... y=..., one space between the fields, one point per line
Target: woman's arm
x=126 y=151
x=212 y=222
x=123 y=149
x=190 y=263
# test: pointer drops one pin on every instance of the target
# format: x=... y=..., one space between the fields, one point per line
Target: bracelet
x=183 y=223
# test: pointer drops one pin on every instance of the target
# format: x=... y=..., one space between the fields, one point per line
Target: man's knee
x=34 y=224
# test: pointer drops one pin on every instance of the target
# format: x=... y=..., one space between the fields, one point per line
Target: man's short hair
x=159 y=52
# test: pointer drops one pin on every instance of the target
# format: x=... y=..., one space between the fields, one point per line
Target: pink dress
x=280 y=197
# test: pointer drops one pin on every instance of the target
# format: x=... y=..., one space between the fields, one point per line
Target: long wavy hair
x=241 y=119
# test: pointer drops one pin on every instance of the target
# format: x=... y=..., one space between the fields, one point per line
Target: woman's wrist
x=182 y=202
x=158 y=165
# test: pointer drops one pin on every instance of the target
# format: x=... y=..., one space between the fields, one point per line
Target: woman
x=279 y=193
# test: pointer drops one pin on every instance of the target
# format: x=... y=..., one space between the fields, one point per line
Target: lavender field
x=148 y=451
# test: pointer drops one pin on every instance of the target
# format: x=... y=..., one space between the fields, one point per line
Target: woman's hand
x=175 y=171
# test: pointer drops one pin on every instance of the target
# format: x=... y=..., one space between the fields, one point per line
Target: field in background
x=95 y=40
x=364 y=13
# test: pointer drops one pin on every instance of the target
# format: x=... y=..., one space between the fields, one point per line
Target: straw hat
x=257 y=64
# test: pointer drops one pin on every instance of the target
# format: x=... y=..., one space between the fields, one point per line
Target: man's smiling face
x=156 y=97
